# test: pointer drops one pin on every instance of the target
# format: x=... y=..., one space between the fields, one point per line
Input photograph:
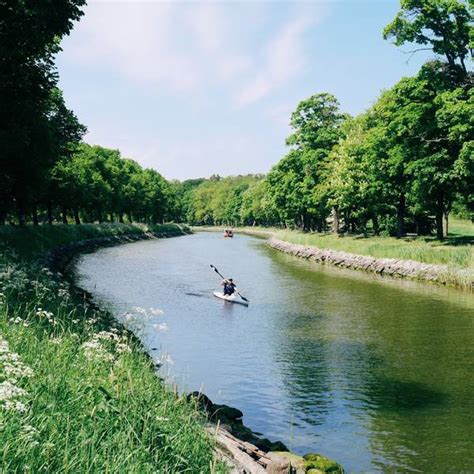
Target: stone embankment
x=382 y=266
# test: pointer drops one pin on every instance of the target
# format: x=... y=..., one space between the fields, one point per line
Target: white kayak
x=231 y=299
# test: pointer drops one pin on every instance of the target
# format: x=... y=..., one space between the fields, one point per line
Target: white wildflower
x=94 y=350
x=15 y=405
x=107 y=336
x=29 y=434
x=63 y=293
x=3 y=346
x=122 y=348
x=56 y=340
x=18 y=370
x=9 y=391
x=41 y=313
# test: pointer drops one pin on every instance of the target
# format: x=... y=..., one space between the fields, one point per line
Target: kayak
x=231 y=299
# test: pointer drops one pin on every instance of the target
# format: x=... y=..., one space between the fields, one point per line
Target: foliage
x=444 y=25
x=34 y=123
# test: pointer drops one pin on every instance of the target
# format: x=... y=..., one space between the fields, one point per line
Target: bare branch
x=413 y=52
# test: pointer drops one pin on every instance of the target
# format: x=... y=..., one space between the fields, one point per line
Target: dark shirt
x=229 y=288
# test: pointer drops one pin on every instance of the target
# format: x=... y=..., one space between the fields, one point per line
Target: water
x=375 y=373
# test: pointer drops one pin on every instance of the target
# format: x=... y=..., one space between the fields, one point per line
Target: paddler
x=229 y=286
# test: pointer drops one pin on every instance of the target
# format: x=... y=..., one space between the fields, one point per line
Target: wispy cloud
x=284 y=58
x=182 y=46
x=190 y=86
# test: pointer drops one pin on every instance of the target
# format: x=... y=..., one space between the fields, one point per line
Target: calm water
x=377 y=374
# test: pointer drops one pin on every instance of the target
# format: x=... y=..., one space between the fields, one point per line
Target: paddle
x=217 y=271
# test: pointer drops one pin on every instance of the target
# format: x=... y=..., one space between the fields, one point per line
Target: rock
x=278 y=446
x=202 y=400
x=322 y=463
x=278 y=464
x=294 y=461
x=230 y=413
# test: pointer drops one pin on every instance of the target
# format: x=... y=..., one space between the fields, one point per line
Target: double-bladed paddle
x=217 y=271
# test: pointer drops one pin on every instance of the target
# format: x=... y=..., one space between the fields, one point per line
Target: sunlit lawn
x=456 y=251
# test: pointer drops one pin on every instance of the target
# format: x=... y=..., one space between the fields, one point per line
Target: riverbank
x=77 y=391
x=447 y=263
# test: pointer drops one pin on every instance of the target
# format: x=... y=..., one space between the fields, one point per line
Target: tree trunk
x=439 y=224
x=305 y=222
x=375 y=224
x=34 y=214
x=446 y=224
x=121 y=217
x=49 y=211
x=99 y=217
x=111 y=217
x=76 y=216
x=130 y=217
x=401 y=216
x=21 y=215
x=64 y=215
x=335 y=220
x=3 y=217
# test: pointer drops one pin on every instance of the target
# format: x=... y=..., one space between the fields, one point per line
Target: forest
x=404 y=165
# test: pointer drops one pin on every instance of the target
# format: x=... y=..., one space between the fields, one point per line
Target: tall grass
x=77 y=392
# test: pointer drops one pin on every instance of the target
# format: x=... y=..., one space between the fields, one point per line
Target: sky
x=195 y=88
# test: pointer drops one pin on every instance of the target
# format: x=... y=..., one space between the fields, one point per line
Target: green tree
x=443 y=25
x=294 y=181
x=29 y=39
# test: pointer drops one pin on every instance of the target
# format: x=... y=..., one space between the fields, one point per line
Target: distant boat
x=228 y=233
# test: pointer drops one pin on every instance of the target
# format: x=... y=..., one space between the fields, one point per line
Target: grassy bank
x=456 y=252
x=77 y=392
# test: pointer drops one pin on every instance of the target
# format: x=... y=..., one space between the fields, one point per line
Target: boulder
x=294 y=461
x=225 y=411
x=202 y=401
x=322 y=463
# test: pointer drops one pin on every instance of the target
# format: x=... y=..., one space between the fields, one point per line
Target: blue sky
x=196 y=88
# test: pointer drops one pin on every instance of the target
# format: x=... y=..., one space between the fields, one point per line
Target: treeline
x=46 y=173
x=401 y=166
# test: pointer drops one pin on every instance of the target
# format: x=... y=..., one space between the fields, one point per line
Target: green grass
x=456 y=251
x=87 y=398
x=31 y=241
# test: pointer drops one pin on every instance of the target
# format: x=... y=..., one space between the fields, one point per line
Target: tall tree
x=444 y=26
x=294 y=181
x=29 y=38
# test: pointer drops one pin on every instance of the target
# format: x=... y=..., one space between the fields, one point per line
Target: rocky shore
x=248 y=453
x=382 y=266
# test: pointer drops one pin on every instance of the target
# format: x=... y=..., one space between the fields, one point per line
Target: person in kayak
x=229 y=287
